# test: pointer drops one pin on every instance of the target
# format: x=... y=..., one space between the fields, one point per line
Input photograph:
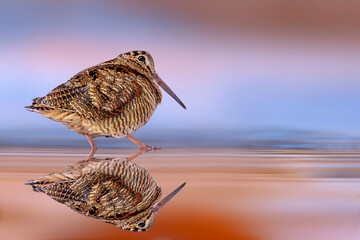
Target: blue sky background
x=240 y=68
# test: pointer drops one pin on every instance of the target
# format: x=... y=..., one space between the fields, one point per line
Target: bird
x=111 y=99
x=114 y=191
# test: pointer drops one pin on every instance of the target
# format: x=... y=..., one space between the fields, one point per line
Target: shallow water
x=231 y=193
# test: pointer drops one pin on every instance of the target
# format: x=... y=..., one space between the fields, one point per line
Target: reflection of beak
x=163 y=85
x=165 y=200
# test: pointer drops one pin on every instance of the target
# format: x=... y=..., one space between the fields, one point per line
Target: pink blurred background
x=247 y=70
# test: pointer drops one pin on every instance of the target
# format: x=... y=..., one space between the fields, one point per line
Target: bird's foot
x=142 y=146
x=142 y=150
x=147 y=148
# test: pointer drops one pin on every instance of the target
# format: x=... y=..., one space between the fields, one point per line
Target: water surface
x=231 y=193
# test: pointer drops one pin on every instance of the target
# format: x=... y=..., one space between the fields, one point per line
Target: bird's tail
x=71 y=119
x=52 y=178
x=37 y=184
x=36 y=106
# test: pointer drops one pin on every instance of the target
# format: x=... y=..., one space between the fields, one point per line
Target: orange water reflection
x=231 y=193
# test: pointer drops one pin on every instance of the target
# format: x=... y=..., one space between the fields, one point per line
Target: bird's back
x=105 y=189
x=105 y=100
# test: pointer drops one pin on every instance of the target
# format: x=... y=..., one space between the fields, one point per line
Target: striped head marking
x=138 y=223
x=140 y=61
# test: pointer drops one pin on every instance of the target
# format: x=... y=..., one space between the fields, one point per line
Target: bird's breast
x=135 y=115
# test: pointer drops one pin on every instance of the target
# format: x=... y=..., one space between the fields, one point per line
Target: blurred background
x=250 y=72
x=269 y=143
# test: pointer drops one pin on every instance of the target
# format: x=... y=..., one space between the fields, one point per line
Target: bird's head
x=143 y=63
x=143 y=221
x=140 y=61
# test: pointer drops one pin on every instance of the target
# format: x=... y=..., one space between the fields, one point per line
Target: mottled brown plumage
x=111 y=99
x=115 y=191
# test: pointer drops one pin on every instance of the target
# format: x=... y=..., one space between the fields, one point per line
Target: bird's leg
x=93 y=147
x=135 y=155
x=141 y=145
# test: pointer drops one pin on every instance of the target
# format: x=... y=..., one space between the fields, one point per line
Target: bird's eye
x=141 y=224
x=141 y=58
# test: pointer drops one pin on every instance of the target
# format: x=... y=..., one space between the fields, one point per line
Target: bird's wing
x=112 y=199
x=97 y=92
x=100 y=196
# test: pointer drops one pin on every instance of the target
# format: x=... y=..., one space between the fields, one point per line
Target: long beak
x=163 y=85
x=165 y=200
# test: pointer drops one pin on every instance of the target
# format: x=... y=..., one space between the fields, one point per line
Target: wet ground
x=231 y=193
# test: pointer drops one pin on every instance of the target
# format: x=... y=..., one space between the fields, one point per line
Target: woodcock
x=115 y=191
x=111 y=99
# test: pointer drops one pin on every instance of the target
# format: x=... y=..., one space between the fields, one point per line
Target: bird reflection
x=114 y=190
